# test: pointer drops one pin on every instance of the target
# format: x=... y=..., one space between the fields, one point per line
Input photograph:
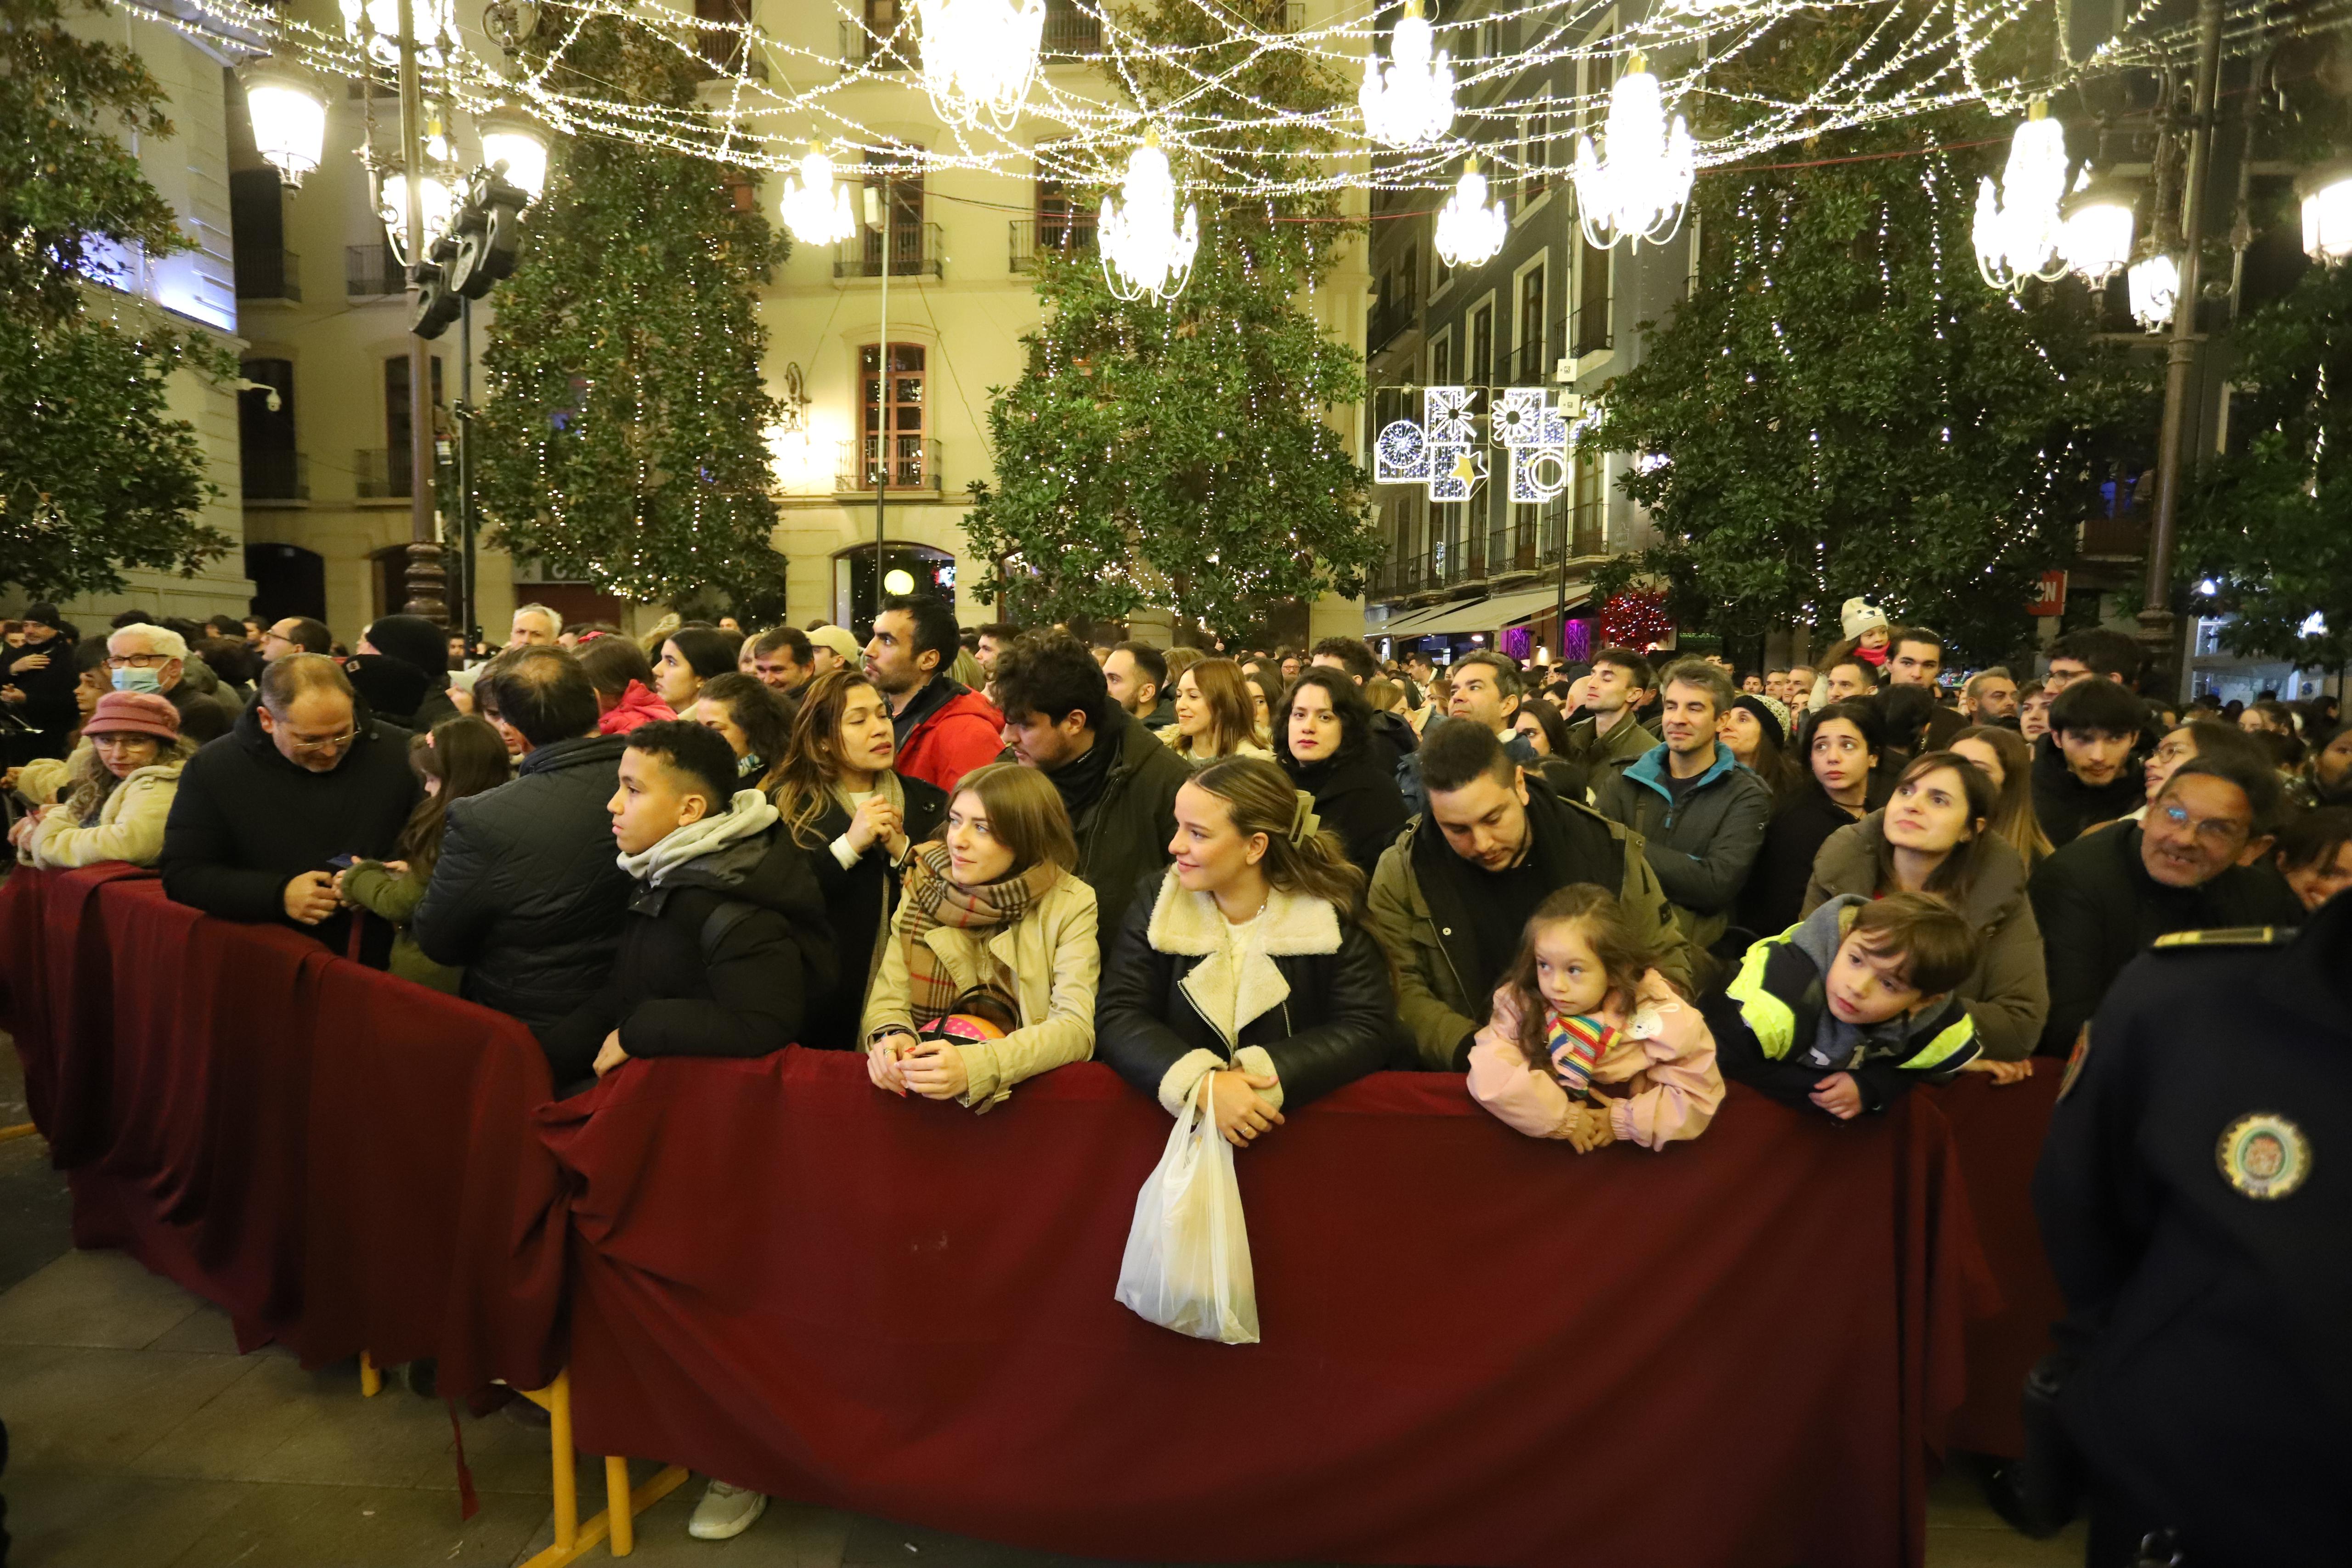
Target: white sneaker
x=726 y=1512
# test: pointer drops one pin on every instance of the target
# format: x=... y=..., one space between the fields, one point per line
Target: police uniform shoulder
x=2228 y=936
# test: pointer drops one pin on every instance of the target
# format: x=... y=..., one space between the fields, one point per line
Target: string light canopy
x=979 y=57
x=2017 y=231
x=1411 y=102
x=289 y=117
x=2096 y=226
x=1144 y=250
x=2326 y=193
x=816 y=210
x=1469 y=231
x=1638 y=192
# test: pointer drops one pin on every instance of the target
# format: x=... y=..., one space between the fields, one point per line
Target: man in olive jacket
x=1118 y=779
x=1450 y=899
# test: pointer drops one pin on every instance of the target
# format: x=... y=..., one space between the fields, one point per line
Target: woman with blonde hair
x=118 y=790
x=989 y=974
x=1249 y=976
x=1214 y=715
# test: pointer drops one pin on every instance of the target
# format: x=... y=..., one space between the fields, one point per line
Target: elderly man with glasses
x=300 y=785
x=154 y=658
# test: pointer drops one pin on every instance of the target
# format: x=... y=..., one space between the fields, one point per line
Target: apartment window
x=903 y=189
x=890 y=423
x=1535 y=158
x=397 y=426
x=1440 y=360
x=1481 y=368
x=1411 y=267
x=723 y=42
x=1531 y=325
x=1064 y=223
x=1593 y=298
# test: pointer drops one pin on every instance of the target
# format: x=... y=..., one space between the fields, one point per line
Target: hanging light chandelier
x=2018 y=232
x=1144 y=250
x=816 y=210
x=1639 y=191
x=1469 y=232
x=2326 y=194
x=2096 y=226
x=980 y=57
x=2155 y=284
x=1411 y=102
x=289 y=117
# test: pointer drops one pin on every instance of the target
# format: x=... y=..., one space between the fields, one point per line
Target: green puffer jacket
x=1417 y=914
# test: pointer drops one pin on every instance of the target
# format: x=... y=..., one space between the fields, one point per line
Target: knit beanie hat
x=136 y=713
x=413 y=640
x=1859 y=615
x=1771 y=715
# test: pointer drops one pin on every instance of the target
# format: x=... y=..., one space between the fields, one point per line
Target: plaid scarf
x=1577 y=1046
x=932 y=899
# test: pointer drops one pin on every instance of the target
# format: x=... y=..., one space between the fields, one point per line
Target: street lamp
x=2327 y=195
x=2155 y=284
x=516 y=146
x=2096 y=226
x=289 y=116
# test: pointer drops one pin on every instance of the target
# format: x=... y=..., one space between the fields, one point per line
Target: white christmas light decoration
x=2326 y=194
x=1144 y=250
x=1640 y=192
x=516 y=141
x=979 y=56
x=816 y=210
x=2017 y=230
x=289 y=117
x=2155 y=282
x=1469 y=231
x=2095 y=235
x=1411 y=102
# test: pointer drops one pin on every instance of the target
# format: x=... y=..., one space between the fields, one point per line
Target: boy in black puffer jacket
x=726 y=936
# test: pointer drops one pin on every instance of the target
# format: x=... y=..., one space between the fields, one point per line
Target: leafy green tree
x=2271 y=524
x=95 y=472
x=1176 y=455
x=1842 y=406
x=623 y=437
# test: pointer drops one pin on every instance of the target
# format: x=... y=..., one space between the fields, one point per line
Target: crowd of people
x=977 y=854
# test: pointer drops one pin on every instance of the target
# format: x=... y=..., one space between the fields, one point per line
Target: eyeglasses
x=2221 y=833
x=325 y=743
x=137 y=660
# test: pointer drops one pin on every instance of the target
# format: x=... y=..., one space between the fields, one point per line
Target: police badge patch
x=2264 y=1155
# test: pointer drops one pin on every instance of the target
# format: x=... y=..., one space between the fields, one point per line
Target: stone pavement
x=141 y=1439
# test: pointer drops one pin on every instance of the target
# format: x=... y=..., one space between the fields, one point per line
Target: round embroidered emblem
x=2264 y=1155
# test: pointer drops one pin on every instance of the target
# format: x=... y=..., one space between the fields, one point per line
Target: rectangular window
x=396 y=423
x=1481 y=368
x=1063 y=222
x=1440 y=360
x=726 y=41
x=1531 y=327
x=1411 y=269
x=890 y=424
x=1593 y=300
x=904 y=221
x=1535 y=158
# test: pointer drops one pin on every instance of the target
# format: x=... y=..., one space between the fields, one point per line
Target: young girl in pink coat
x=1583 y=1009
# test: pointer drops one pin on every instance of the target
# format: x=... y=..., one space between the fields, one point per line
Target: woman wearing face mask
x=119 y=791
x=1935 y=836
x=993 y=923
x=1840 y=746
x=1324 y=742
x=858 y=822
x=1249 y=969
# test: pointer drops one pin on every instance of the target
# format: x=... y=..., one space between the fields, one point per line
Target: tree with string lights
x=1842 y=407
x=1177 y=454
x=623 y=439
x=96 y=472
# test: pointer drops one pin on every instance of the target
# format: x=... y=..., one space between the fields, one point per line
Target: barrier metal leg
x=371 y=1380
x=575 y=1536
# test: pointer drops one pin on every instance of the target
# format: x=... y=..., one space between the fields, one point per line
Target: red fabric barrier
x=1998 y=1131
x=1479 y=1348
x=337 y=1158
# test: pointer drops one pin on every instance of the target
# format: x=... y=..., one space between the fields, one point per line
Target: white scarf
x=747 y=814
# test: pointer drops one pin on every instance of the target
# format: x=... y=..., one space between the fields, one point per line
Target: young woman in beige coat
x=992 y=923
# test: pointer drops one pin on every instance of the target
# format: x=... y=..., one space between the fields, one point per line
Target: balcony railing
x=269 y=275
x=2124 y=536
x=1590 y=332
x=885 y=52
x=1071 y=33
x=372 y=272
x=1525 y=544
x=730 y=53
x=380 y=474
x=916 y=250
x=914 y=466
x=276 y=476
x=1073 y=234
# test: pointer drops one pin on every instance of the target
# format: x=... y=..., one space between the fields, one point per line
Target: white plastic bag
x=1188 y=1264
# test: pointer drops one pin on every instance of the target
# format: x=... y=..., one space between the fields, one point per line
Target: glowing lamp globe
x=519 y=142
x=2096 y=228
x=2155 y=280
x=289 y=117
x=2327 y=195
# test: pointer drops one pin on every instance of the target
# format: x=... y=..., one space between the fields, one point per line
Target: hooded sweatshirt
x=1775 y=1031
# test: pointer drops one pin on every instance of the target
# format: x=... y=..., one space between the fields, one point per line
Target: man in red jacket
x=944 y=729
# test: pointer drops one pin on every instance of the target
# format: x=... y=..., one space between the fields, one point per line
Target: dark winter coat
x=246 y=821
x=2099 y=909
x=2064 y=805
x=1357 y=798
x=720 y=958
x=48 y=705
x=528 y=895
x=1315 y=997
x=202 y=719
x=860 y=899
x=1123 y=836
x=1703 y=846
x=1775 y=894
